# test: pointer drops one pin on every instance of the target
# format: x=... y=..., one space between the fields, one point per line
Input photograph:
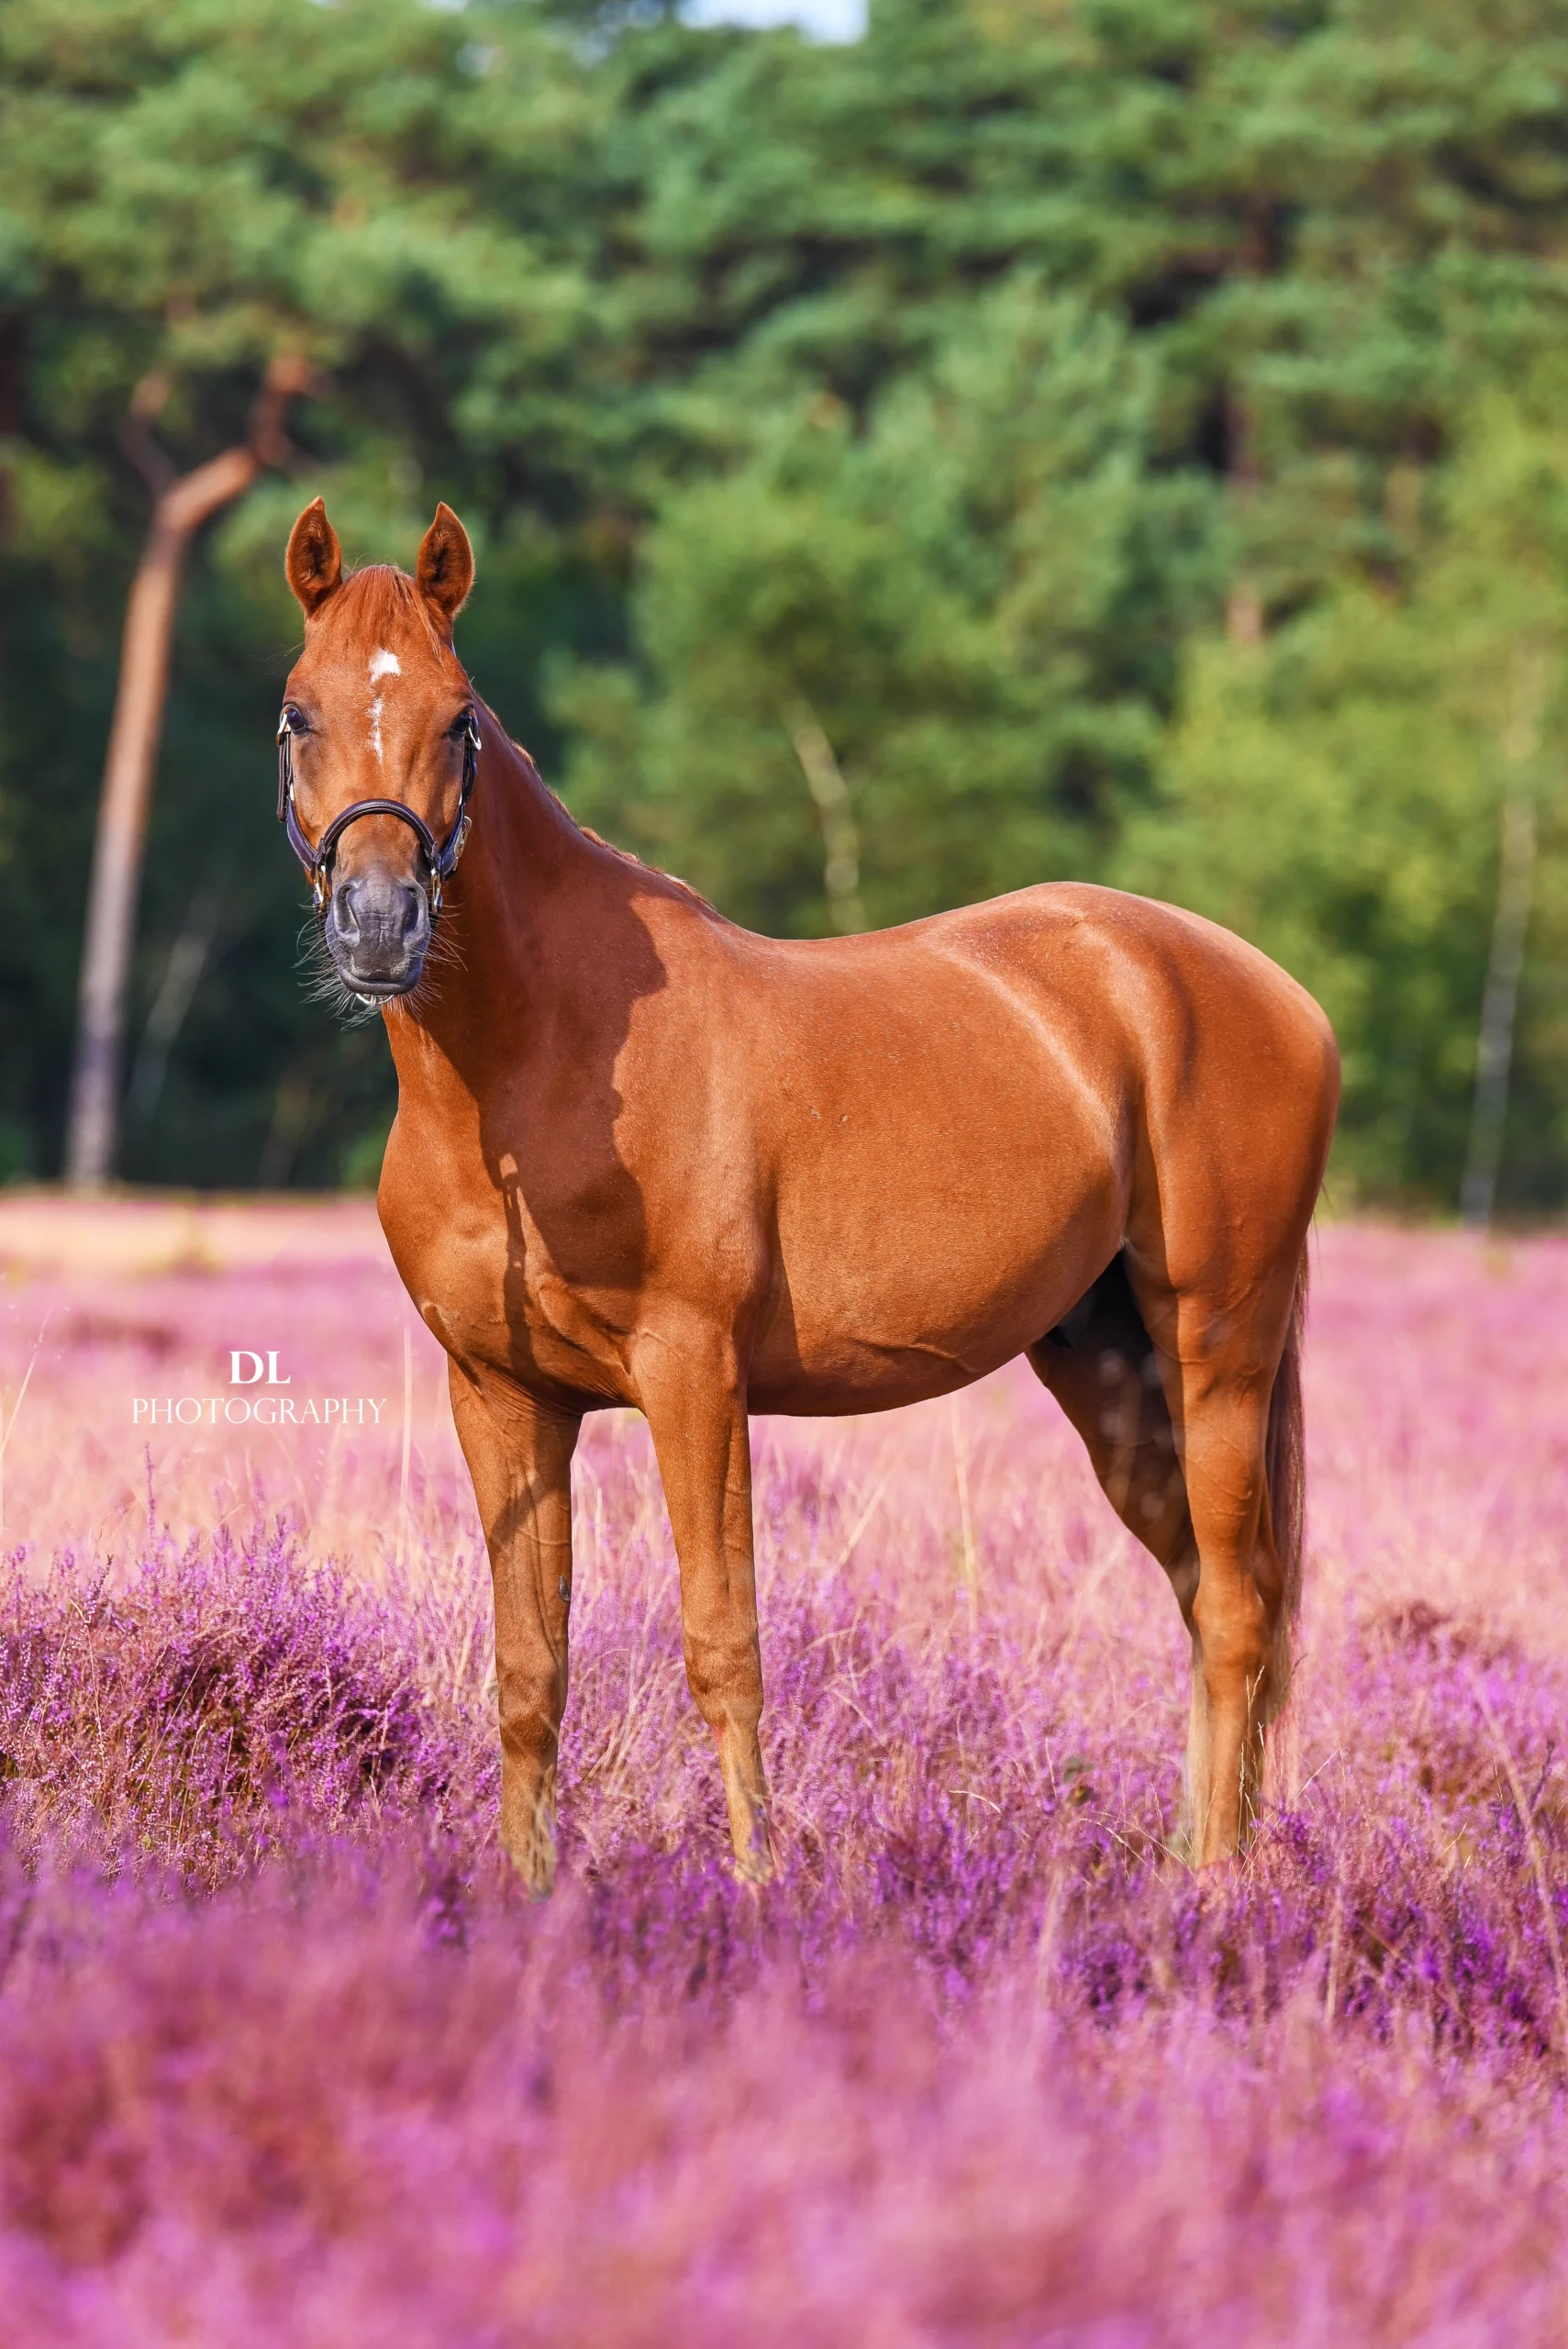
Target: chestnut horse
x=643 y=1157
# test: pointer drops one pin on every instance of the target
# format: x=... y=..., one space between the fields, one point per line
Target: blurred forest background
x=1109 y=438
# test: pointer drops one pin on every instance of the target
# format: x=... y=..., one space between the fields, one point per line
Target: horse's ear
x=444 y=572
x=315 y=561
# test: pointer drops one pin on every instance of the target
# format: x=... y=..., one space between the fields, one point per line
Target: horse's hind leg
x=1240 y=1612
x=1103 y=1369
x=1183 y=1453
x=1229 y=1357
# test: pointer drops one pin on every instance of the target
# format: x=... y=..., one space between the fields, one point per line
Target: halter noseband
x=439 y=862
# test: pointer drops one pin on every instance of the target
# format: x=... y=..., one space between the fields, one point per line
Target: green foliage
x=975 y=593
x=1336 y=795
x=940 y=396
x=186 y=188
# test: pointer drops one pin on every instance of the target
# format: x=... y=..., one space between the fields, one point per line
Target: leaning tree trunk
x=182 y=507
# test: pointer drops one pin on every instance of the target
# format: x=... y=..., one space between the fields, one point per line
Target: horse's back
x=1095 y=991
x=1069 y=943
x=1144 y=997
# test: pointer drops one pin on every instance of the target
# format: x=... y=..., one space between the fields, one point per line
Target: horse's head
x=377 y=747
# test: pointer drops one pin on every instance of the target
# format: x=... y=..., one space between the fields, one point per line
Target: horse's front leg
x=519 y=1456
x=693 y=1396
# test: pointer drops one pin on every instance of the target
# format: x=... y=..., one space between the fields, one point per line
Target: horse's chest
x=490 y=1289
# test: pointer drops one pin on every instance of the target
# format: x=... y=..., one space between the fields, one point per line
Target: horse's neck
x=497 y=951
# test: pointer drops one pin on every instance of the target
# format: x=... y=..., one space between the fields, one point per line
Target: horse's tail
x=1285 y=1461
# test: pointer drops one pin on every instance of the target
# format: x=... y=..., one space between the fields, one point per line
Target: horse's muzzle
x=377 y=932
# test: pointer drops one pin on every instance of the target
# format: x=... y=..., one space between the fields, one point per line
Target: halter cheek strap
x=440 y=861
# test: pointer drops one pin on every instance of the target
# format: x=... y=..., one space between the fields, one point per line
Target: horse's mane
x=628 y=856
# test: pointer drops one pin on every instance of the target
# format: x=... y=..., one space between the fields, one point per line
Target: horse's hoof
x=758 y=1864
x=535 y=1869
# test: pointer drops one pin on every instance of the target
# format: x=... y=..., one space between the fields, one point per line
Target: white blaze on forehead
x=382 y=663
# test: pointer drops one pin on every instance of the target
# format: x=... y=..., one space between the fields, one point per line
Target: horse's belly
x=911 y=1273
x=860 y=1374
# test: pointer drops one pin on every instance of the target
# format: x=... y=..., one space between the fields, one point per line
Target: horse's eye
x=295 y=719
x=459 y=725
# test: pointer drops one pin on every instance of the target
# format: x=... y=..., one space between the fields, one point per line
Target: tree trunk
x=182 y=507
x=1494 y=1051
x=1515 y=886
x=840 y=836
x=1245 y=621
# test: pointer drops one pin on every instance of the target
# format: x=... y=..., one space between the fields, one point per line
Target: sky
x=826 y=19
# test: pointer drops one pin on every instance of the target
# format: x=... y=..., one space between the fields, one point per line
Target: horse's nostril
x=344 y=921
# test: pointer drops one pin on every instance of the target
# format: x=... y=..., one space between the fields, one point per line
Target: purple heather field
x=286 y=2057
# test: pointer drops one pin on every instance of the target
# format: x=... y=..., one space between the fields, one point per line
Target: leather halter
x=440 y=862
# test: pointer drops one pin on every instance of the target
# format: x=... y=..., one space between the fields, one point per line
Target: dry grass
x=284 y=2055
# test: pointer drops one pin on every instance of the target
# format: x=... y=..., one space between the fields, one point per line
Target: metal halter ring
x=439 y=862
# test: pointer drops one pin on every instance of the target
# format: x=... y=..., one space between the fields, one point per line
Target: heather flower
x=284 y=2053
